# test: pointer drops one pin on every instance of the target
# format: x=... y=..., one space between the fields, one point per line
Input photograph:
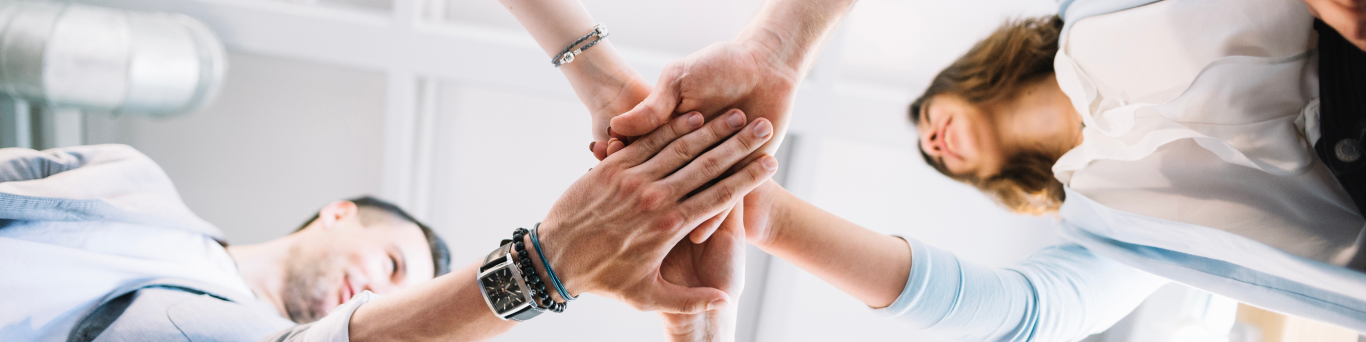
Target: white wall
x=283 y=139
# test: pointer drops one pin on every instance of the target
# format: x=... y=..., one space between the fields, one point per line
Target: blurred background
x=449 y=109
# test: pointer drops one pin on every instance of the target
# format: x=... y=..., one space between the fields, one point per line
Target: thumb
x=655 y=110
x=673 y=298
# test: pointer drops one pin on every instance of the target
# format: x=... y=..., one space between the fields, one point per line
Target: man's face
x=336 y=259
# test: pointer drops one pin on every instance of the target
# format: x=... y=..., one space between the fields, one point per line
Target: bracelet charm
x=567 y=56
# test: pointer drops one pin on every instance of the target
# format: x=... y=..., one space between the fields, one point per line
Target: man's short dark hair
x=441 y=257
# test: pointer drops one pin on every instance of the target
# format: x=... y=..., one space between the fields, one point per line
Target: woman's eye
x=393 y=265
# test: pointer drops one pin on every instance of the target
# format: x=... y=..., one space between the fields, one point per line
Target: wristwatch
x=504 y=289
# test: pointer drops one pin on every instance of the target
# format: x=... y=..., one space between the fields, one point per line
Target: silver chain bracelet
x=566 y=56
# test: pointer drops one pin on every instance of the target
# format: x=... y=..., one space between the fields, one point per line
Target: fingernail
x=769 y=163
x=695 y=119
x=719 y=303
x=763 y=128
x=736 y=120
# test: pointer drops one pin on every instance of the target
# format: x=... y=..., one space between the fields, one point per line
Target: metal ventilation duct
x=105 y=59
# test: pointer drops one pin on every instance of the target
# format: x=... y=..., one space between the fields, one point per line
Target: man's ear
x=334 y=212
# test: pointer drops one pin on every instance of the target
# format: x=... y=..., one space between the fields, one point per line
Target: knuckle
x=682 y=150
x=652 y=199
x=651 y=143
x=670 y=220
x=679 y=153
x=726 y=192
x=641 y=307
x=631 y=181
x=755 y=171
x=749 y=142
x=711 y=166
x=691 y=307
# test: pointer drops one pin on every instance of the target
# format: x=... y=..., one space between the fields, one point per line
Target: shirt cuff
x=335 y=327
x=934 y=282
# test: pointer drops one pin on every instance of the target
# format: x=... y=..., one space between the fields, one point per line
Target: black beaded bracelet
x=531 y=277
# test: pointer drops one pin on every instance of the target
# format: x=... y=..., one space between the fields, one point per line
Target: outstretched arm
x=1059 y=293
x=608 y=234
x=600 y=77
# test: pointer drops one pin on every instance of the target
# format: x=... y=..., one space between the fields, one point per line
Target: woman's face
x=960 y=137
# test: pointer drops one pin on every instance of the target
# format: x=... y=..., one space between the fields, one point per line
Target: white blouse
x=1203 y=112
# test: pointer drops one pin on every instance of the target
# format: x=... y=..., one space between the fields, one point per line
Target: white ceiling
x=897 y=43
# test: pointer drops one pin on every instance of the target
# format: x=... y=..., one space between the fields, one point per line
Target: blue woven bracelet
x=554 y=280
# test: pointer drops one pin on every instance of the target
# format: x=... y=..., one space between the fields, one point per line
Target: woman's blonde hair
x=1020 y=52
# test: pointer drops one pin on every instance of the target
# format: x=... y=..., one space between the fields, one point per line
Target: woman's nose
x=929 y=142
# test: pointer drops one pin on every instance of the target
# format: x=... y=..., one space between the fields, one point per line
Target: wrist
x=600 y=77
x=541 y=271
x=778 y=220
x=714 y=325
x=552 y=245
x=775 y=49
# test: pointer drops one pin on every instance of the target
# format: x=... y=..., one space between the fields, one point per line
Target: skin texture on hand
x=610 y=232
x=719 y=263
x=719 y=77
x=1348 y=17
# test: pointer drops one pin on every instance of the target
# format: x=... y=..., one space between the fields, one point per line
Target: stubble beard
x=304 y=289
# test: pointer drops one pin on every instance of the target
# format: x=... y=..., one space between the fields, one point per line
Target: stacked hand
x=604 y=247
x=725 y=76
x=718 y=78
x=718 y=263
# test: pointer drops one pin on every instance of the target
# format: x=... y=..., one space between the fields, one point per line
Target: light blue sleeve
x=1060 y=293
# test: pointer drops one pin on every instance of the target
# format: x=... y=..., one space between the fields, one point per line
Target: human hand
x=740 y=74
x=610 y=232
x=613 y=93
x=718 y=263
x=1348 y=17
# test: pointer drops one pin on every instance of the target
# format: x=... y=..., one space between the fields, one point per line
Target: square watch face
x=502 y=289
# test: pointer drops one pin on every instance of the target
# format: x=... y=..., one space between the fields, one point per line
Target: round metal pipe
x=106 y=59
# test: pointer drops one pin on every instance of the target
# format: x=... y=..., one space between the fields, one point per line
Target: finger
x=730 y=190
x=655 y=110
x=712 y=164
x=614 y=145
x=705 y=230
x=673 y=298
x=685 y=149
x=642 y=149
x=599 y=150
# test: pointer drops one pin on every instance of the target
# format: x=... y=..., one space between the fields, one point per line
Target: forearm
x=793 y=31
x=598 y=75
x=870 y=266
x=448 y=308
